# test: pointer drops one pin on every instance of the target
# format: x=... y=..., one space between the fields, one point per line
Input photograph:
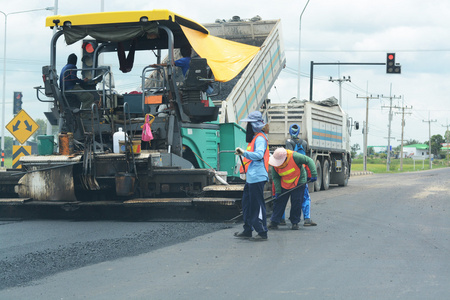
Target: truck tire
x=344 y=182
x=318 y=182
x=325 y=175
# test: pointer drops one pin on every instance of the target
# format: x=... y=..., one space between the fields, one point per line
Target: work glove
x=239 y=151
x=312 y=179
x=276 y=196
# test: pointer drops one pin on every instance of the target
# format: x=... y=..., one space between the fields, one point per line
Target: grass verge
x=378 y=165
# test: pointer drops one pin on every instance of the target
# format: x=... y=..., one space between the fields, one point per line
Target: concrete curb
x=361 y=173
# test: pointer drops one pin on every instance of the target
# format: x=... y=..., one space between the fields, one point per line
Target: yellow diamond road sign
x=22 y=126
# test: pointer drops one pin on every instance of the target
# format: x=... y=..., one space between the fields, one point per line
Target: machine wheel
x=326 y=175
x=318 y=182
x=346 y=175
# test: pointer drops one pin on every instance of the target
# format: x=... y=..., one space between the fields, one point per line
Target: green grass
x=378 y=165
x=8 y=162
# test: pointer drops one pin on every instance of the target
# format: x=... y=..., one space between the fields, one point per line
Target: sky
x=346 y=31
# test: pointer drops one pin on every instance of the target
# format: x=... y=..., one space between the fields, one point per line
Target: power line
x=340 y=80
x=375 y=51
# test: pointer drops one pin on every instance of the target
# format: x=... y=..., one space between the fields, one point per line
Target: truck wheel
x=318 y=182
x=346 y=175
x=345 y=181
x=326 y=175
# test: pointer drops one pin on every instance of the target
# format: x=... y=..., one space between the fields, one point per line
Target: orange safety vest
x=251 y=147
x=290 y=174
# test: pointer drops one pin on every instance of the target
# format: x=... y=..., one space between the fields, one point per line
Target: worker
x=299 y=145
x=183 y=62
x=295 y=143
x=289 y=175
x=69 y=81
x=255 y=165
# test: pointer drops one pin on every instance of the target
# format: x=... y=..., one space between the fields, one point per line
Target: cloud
x=331 y=31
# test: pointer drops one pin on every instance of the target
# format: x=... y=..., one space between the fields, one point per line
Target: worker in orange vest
x=288 y=174
x=255 y=166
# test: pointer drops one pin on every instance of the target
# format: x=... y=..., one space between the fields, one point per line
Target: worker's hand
x=312 y=179
x=276 y=196
x=239 y=151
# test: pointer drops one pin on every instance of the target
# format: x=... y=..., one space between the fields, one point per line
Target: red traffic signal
x=88 y=47
x=391 y=67
x=88 y=59
x=17 y=107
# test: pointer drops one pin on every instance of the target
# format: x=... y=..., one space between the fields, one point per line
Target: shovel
x=270 y=199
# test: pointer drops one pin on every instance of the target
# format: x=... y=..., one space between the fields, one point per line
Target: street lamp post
x=4 y=74
x=299 y=50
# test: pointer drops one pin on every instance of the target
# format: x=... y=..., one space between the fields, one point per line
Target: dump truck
x=325 y=127
x=189 y=165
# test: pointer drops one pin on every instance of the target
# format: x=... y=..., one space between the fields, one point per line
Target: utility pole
x=447 y=138
x=429 y=136
x=403 y=128
x=366 y=126
x=340 y=80
x=388 y=161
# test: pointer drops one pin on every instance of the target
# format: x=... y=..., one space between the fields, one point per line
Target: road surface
x=382 y=237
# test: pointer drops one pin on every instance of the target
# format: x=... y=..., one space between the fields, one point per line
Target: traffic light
x=88 y=49
x=17 y=106
x=391 y=67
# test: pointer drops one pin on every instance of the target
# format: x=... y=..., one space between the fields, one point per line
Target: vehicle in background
x=325 y=127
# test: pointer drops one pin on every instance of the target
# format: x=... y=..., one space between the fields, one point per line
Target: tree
x=411 y=142
x=354 y=150
x=42 y=129
x=8 y=146
x=436 y=141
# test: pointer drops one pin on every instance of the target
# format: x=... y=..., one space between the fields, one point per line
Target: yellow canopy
x=225 y=58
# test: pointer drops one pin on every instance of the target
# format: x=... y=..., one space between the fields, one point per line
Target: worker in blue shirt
x=183 y=63
x=255 y=166
x=68 y=81
x=298 y=145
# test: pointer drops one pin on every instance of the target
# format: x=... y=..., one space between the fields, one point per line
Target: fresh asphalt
x=384 y=236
